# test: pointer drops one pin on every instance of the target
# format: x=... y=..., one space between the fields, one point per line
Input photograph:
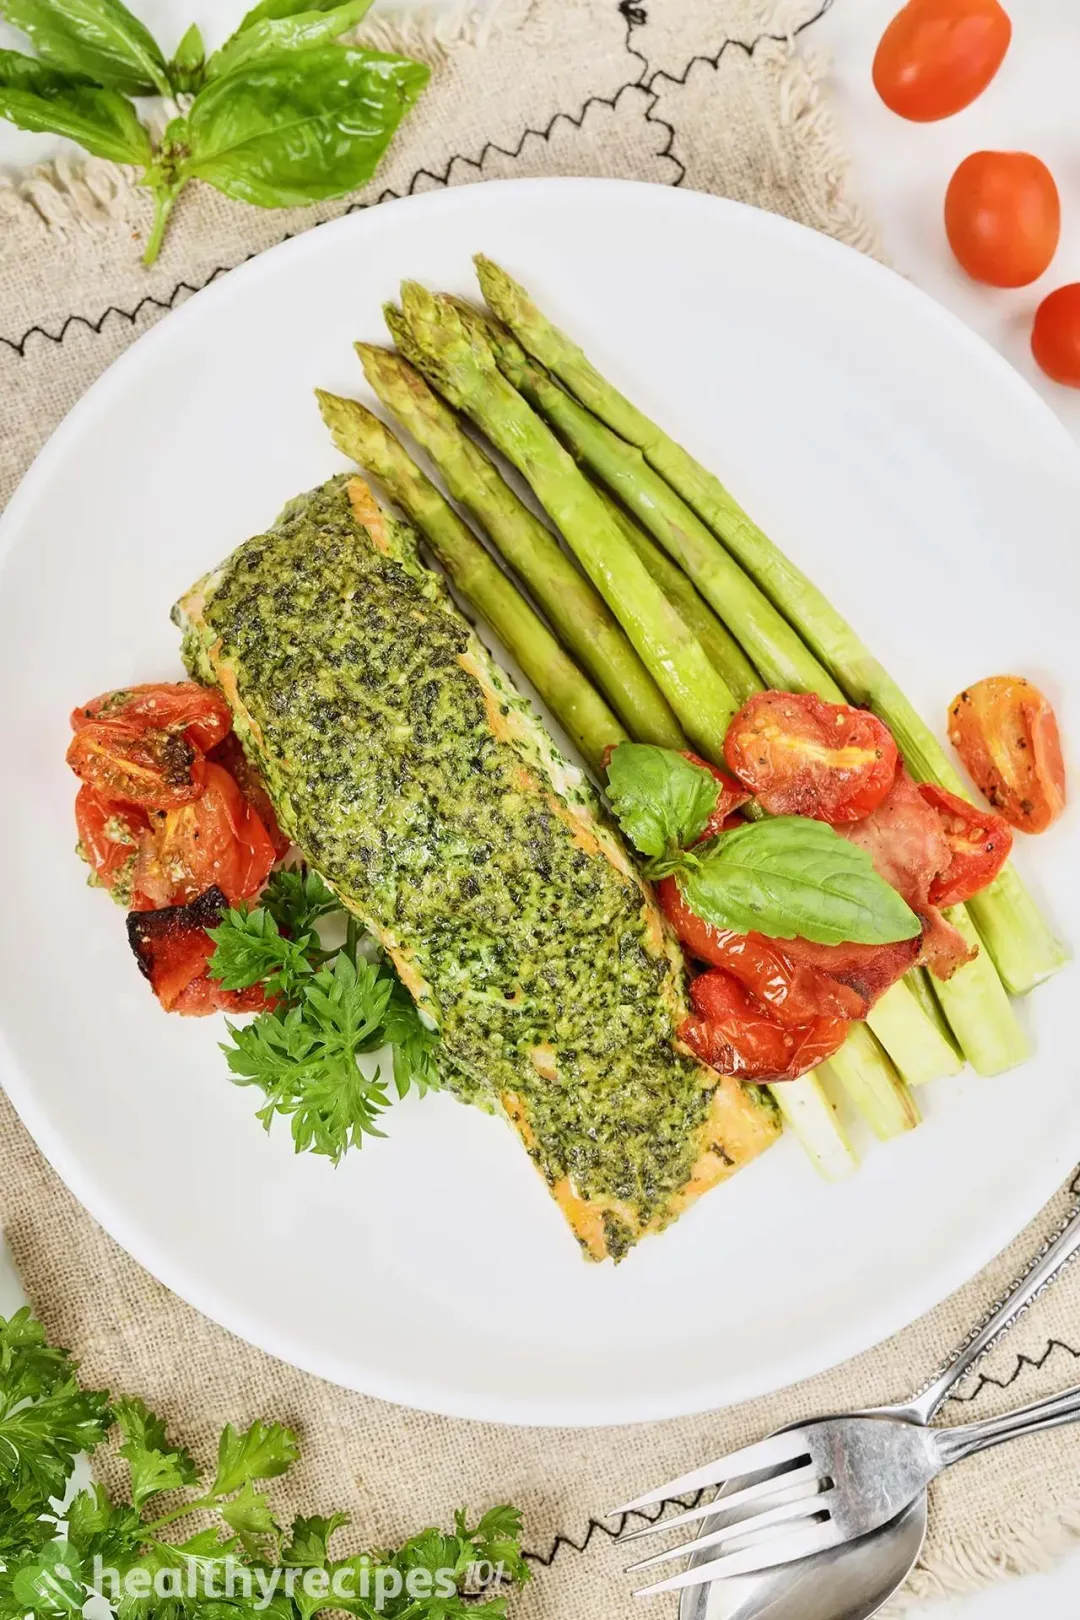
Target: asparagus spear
x=808 y=1110
x=563 y=688
x=464 y=370
x=1020 y=942
x=772 y=644
x=723 y=650
x=574 y=608
x=916 y=1046
x=873 y=1085
x=579 y=709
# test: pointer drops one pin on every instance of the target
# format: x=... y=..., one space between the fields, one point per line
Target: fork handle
x=956 y=1444
x=1054 y=1255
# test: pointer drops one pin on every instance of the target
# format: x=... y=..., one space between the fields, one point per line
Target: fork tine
x=811 y=1503
x=767 y=1554
x=780 y=1483
x=786 y=1447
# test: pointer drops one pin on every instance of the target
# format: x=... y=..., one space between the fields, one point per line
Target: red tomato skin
x=793 y=993
x=140 y=767
x=801 y=756
x=937 y=56
x=979 y=840
x=732 y=796
x=173 y=949
x=107 y=857
x=1006 y=733
x=1003 y=217
x=230 y=754
x=218 y=841
x=737 y=1037
x=198 y=711
x=1055 y=335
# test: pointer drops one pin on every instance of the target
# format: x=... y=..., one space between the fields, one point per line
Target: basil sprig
x=786 y=878
x=662 y=800
x=280 y=115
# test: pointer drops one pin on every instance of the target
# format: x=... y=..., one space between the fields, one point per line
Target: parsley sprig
x=331 y=1007
x=50 y=1553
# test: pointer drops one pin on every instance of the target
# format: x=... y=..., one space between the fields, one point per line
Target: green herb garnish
x=787 y=877
x=147 y=1566
x=280 y=115
x=332 y=1007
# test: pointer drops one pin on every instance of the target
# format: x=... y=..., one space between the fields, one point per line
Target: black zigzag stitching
x=713 y=61
x=132 y=315
x=597 y=1527
x=1025 y=1362
x=633 y=11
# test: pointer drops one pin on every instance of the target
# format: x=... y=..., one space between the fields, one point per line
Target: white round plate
x=909 y=470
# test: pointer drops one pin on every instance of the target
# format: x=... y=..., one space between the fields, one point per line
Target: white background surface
x=902 y=171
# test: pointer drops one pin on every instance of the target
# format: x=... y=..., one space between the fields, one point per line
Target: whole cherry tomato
x=1003 y=217
x=1055 y=337
x=801 y=756
x=936 y=56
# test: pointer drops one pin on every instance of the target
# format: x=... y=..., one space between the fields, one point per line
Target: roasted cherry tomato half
x=1006 y=733
x=978 y=840
x=219 y=841
x=230 y=754
x=800 y=756
x=792 y=992
x=1003 y=217
x=936 y=56
x=734 y=1035
x=142 y=766
x=732 y=795
x=1055 y=336
x=173 y=948
x=109 y=838
x=199 y=712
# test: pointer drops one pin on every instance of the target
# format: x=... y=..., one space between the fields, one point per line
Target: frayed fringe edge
x=959 y=1567
x=804 y=110
x=71 y=193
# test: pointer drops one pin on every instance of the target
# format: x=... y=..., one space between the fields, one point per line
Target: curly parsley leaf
x=415 y=1045
x=250 y=950
x=262 y=1451
x=46 y=1419
x=309 y=1540
x=156 y=1465
x=297 y=898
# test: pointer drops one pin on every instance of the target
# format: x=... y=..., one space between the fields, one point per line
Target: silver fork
x=831 y=1481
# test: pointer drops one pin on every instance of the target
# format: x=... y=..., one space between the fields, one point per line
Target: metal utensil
x=853 y=1581
x=834 y=1481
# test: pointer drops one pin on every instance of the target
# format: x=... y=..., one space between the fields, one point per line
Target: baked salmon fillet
x=429 y=795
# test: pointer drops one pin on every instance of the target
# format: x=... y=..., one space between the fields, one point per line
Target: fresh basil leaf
x=273 y=9
x=187 y=70
x=299 y=32
x=36 y=97
x=662 y=800
x=99 y=39
x=791 y=878
x=299 y=127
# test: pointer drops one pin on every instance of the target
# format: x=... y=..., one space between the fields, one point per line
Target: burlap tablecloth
x=716 y=95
